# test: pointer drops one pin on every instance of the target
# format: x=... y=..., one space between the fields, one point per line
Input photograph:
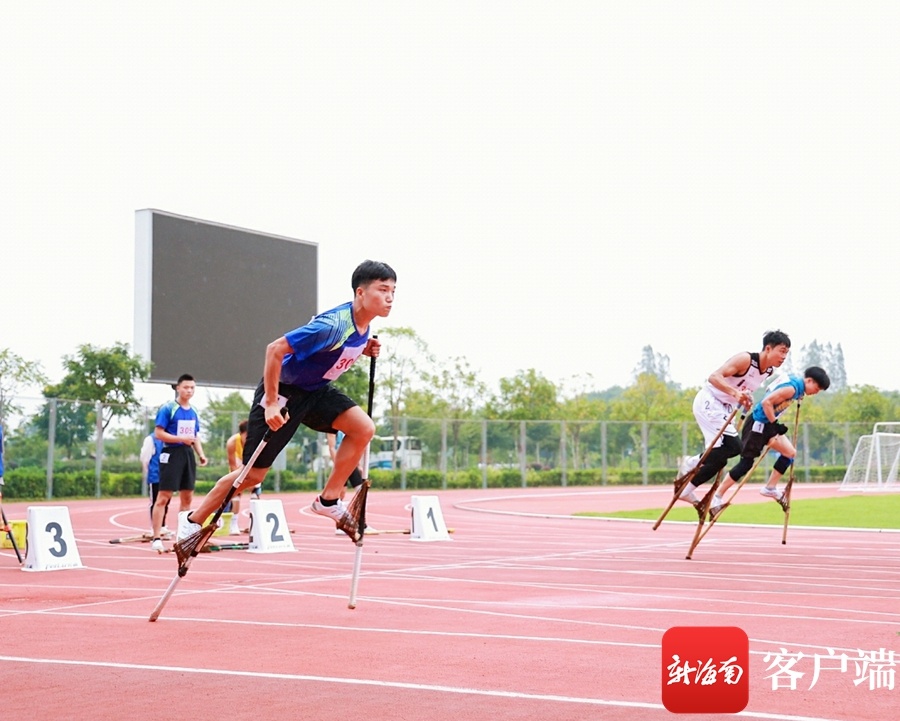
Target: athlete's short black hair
x=182 y=377
x=776 y=337
x=369 y=271
x=819 y=376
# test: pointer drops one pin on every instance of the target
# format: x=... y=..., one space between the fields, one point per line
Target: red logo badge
x=705 y=669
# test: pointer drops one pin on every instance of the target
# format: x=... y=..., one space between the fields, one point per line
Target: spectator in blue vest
x=150 y=451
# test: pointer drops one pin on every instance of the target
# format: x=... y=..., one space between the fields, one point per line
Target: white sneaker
x=157 y=545
x=165 y=533
x=234 y=529
x=770 y=493
x=335 y=512
x=341 y=517
x=185 y=527
x=716 y=501
x=687 y=494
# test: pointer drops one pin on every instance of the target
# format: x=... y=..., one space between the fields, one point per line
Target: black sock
x=328 y=501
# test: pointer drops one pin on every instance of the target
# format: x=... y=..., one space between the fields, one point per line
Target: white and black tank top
x=750 y=380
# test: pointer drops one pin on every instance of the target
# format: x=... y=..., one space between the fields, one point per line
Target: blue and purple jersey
x=323 y=349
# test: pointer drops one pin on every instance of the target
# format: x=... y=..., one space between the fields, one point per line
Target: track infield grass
x=864 y=511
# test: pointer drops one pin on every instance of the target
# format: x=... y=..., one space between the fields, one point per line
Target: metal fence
x=645 y=448
x=58 y=437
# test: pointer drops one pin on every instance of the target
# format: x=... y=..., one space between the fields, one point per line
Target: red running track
x=527 y=613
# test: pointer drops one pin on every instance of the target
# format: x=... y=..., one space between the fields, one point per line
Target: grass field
x=864 y=511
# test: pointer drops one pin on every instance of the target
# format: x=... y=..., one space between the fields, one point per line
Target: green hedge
x=512 y=478
x=31 y=483
x=288 y=482
x=25 y=483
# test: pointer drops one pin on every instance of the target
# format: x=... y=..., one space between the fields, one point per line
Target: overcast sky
x=557 y=184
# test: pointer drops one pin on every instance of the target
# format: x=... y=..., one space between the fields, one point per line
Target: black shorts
x=754 y=438
x=314 y=409
x=177 y=468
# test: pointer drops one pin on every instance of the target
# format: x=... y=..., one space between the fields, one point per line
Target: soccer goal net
x=876 y=461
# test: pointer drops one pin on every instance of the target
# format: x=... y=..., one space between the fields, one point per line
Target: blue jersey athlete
x=178 y=427
x=762 y=428
x=297 y=375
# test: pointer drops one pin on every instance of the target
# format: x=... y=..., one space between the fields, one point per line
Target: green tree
x=655 y=364
x=863 y=404
x=73 y=424
x=836 y=370
x=458 y=392
x=827 y=356
x=527 y=396
x=583 y=410
x=16 y=372
x=220 y=418
x=107 y=375
x=812 y=354
x=651 y=399
x=125 y=446
x=104 y=375
x=404 y=359
x=453 y=393
x=25 y=447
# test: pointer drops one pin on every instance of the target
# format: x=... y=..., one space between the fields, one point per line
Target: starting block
x=427 y=520
x=269 y=532
x=223 y=525
x=51 y=541
x=19 y=530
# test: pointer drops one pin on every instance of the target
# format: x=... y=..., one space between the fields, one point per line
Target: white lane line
x=389 y=684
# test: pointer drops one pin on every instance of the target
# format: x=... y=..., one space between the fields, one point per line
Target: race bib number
x=343 y=364
x=758 y=426
x=185 y=429
x=163 y=457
